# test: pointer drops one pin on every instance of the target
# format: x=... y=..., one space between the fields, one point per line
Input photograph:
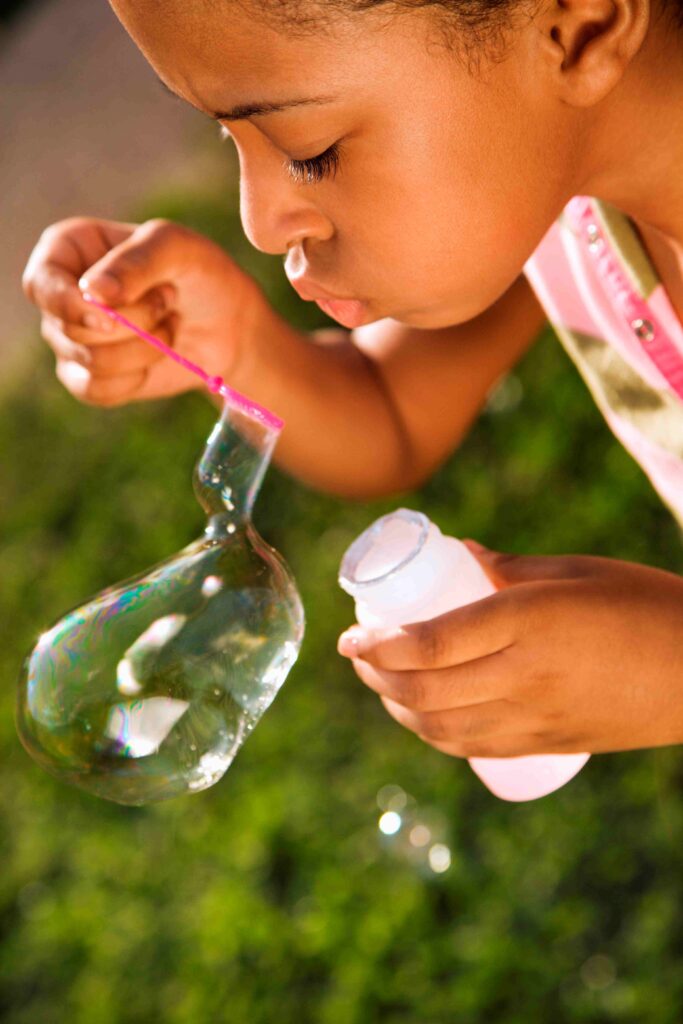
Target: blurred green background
x=273 y=897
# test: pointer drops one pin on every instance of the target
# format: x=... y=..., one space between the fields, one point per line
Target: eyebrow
x=243 y=111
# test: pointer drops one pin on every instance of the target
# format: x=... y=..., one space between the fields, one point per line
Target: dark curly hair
x=469 y=25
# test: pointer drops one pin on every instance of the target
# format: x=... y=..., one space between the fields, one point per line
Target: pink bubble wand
x=215 y=384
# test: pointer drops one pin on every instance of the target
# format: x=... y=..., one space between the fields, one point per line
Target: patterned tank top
x=607 y=305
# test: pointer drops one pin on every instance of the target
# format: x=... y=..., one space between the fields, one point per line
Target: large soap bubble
x=149 y=689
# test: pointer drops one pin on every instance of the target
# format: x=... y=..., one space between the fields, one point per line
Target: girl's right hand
x=161 y=276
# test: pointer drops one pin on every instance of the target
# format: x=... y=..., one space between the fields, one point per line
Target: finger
x=505 y=569
x=63 y=253
x=55 y=291
x=513 y=744
x=472 y=631
x=63 y=347
x=103 y=391
x=146 y=313
x=152 y=255
x=165 y=377
x=460 y=728
x=119 y=357
x=440 y=689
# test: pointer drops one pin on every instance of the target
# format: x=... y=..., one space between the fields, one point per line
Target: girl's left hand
x=573 y=653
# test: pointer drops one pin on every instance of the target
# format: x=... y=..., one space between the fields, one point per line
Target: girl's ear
x=591 y=43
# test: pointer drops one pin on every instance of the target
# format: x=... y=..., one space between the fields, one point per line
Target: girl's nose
x=276 y=212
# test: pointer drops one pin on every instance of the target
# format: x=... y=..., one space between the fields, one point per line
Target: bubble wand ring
x=215 y=384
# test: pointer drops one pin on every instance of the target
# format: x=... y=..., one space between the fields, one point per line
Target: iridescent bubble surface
x=148 y=690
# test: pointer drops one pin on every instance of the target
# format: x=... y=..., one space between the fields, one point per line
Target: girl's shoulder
x=593 y=275
x=608 y=306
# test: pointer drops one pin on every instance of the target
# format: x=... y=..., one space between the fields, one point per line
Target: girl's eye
x=316 y=168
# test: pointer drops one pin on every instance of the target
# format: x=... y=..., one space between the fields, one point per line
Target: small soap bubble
x=392 y=798
x=598 y=972
x=413 y=833
x=389 y=823
x=506 y=395
x=439 y=858
x=420 y=835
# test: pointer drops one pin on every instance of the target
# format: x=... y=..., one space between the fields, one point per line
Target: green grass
x=269 y=898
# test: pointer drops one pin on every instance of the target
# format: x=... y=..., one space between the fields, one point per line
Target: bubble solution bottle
x=148 y=690
x=401 y=570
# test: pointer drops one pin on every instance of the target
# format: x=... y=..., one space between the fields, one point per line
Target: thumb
x=505 y=569
x=494 y=563
x=150 y=256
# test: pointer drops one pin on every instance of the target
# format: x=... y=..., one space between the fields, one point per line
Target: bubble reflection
x=211 y=586
x=139 y=729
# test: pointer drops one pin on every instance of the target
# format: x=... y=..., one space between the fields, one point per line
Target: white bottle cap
x=395 y=564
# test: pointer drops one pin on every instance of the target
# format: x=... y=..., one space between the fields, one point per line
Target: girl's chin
x=425 y=320
x=352 y=313
x=434 y=318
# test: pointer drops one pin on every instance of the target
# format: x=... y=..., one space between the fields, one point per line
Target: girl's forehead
x=197 y=45
x=240 y=32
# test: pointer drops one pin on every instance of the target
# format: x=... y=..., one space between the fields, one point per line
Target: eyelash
x=316 y=168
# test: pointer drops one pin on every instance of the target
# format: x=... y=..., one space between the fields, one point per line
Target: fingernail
x=97 y=323
x=101 y=286
x=350 y=643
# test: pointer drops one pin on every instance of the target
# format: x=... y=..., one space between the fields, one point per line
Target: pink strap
x=654 y=340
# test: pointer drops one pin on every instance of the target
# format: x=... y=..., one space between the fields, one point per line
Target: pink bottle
x=402 y=569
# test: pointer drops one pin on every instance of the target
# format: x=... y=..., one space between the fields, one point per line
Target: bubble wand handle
x=215 y=384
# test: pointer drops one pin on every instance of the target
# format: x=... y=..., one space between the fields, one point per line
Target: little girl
x=440 y=176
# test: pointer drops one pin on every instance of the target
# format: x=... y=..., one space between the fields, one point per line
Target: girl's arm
x=377 y=410
x=367 y=414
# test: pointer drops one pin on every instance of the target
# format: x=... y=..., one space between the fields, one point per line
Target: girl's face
x=435 y=184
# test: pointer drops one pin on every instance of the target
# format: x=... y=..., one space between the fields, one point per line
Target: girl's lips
x=347 y=312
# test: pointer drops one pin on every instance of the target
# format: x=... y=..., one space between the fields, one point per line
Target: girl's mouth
x=347 y=312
